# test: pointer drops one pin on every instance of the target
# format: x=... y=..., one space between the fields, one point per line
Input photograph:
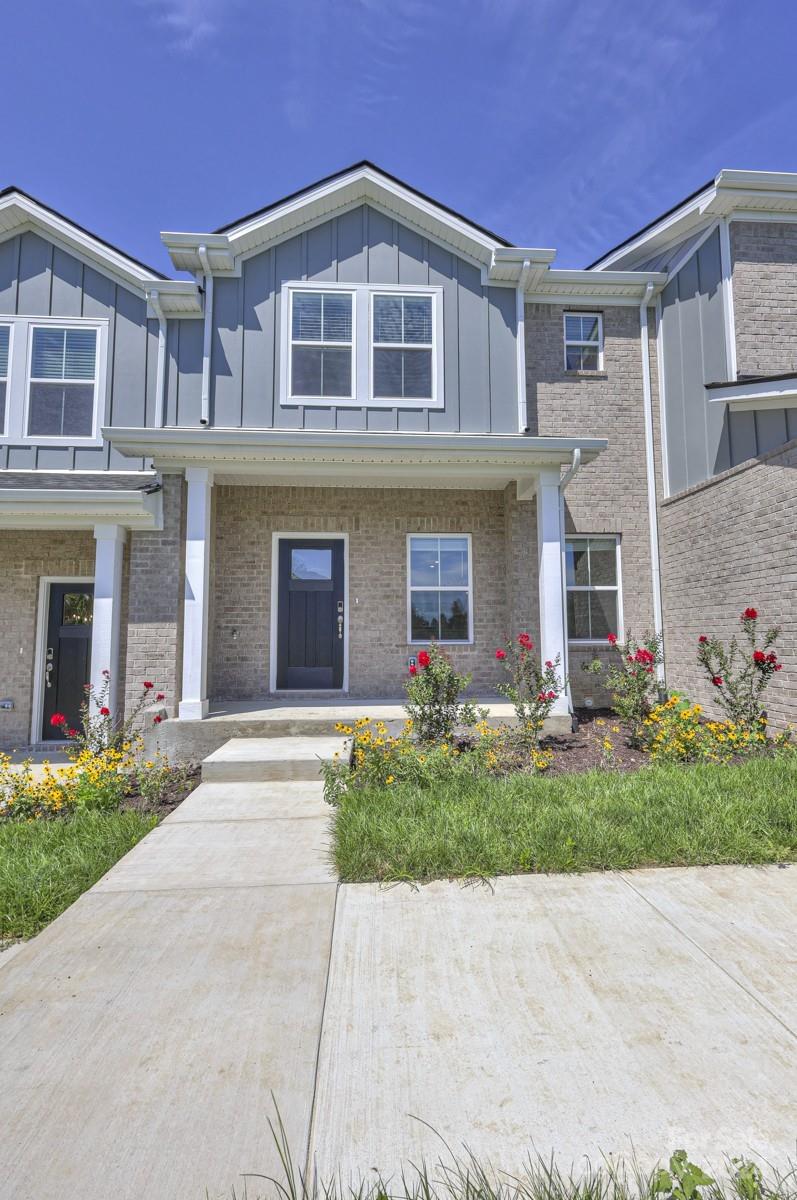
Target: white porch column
x=553 y=633
x=106 y=624
x=194 y=702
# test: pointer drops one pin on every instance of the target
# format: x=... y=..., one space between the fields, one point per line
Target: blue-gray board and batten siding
x=362 y=245
x=40 y=279
x=704 y=438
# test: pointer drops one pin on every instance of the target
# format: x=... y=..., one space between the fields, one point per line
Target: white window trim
x=601 y=587
x=8 y=375
x=573 y=312
x=410 y=589
x=362 y=349
x=19 y=370
x=435 y=345
x=290 y=342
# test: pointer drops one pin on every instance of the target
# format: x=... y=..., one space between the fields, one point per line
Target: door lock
x=48 y=667
x=340 y=626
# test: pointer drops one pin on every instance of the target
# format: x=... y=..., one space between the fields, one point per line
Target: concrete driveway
x=142 y=1034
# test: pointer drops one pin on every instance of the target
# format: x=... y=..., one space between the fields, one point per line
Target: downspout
x=160 y=372
x=650 y=463
x=207 y=338
x=520 y=323
x=575 y=466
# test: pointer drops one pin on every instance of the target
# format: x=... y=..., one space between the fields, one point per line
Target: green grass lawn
x=599 y=820
x=46 y=865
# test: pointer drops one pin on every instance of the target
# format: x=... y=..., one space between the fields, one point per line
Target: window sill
x=442 y=645
x=354 y=402
x=602 y=374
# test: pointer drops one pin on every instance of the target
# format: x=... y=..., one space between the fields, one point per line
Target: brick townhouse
x=360 y=421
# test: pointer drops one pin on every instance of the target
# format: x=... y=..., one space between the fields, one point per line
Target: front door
x=67 y=655
x=310 y=613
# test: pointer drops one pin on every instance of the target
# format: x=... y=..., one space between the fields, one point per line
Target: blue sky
x=560 y=123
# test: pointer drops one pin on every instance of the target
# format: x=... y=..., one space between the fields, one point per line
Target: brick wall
x=377 y=522
x=608 y=495
x=152 y=625
x=764 y=257
x=726 y=544
x=27 y=555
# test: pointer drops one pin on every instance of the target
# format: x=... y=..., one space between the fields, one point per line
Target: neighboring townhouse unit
x=365 y=422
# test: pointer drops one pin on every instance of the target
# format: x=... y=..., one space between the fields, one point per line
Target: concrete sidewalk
x=143 y=1032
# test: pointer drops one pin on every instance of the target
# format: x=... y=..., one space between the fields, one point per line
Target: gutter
x=207 y=338
x=160 y=374
x=572 y=470
x=650 y=464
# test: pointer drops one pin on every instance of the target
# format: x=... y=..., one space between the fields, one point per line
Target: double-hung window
x=62 y=383
x=5 y=352
x=594 y=608
x=52 y=379
x=402 y=345
x=583 y=341
x=362 y=345
x=440 y=588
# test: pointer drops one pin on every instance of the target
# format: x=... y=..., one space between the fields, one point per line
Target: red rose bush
x=741 y=672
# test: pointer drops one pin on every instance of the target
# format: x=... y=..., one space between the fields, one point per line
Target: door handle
x=340 y=626
x=47 y=670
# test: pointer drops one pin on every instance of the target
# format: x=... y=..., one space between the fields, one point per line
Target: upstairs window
x=63 y=382
x=593 y=588
x=361 y=345
x=583 y=342
x=403 y=342
x=321 y=345
x=5 y=346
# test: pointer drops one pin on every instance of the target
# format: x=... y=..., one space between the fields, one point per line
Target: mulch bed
x=581 y=751
x=174 y=794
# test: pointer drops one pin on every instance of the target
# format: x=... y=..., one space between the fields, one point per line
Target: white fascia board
x=756 y=394
x=78 y=508
x=770 y=181
x=176 y=297
x=675 y=226
x=361 y=186
x=18 y=212
x=314 y=449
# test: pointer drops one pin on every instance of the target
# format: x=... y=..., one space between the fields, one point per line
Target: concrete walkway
x=142 y=1034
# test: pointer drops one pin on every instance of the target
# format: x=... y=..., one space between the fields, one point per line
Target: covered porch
x=267 y=513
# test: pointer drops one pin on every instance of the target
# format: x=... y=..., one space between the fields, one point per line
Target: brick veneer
x=377 y=522
x=152 y=623
x=26 y=556
x=764 y=257
x=608 y=495
x=725 y=544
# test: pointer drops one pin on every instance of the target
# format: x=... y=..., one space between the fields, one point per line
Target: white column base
x=193 y=710
x=106 y=622
x=550 y=545
x=194 y=702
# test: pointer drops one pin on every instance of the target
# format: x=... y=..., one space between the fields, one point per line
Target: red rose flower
x=424 y=659
x=549 y=664
x=157 y=720
x=105 y=712
x=541 y=696
x=702 y=639
x=772 y=657
x=413 y=669
x=759 y=658
x=717 y=680
x=500 y=654
x=57 y=719
x=160 y=696
x=147 y=685
x=525 y=641
x=612 y=639
x=552 y=695
x=750 y=614
x=73 y=733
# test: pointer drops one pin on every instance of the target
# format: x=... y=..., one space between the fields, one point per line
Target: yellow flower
x=390 y=779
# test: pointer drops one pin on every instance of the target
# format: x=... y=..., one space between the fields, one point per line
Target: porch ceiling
x=315 y=458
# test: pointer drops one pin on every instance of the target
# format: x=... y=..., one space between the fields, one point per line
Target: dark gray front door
x=67 y=655
x=310 y=624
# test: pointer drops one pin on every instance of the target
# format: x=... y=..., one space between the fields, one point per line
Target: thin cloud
x=190 y=24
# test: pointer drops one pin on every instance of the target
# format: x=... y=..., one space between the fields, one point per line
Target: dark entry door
x=310 y=613
x=67 y=654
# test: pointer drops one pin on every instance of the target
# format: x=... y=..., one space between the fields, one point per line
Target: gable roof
x=20 y=211
x=728 y=192
x=361 y=183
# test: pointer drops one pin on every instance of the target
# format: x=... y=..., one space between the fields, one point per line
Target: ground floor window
x=440 y=589
x=594 y=607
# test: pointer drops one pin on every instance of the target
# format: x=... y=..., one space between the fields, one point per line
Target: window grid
x=326 y=341
x=417 y=541
x=583 y=346
x=590 y=588
x=409 y=349
x=5 y=354
x=75 y=374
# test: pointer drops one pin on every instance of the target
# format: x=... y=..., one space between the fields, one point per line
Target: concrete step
x=255 y=760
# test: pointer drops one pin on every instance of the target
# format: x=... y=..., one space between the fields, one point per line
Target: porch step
x=255 y=760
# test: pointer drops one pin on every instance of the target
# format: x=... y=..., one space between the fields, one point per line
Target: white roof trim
x=361 y=185
x=78 y=508
x=747 y=396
